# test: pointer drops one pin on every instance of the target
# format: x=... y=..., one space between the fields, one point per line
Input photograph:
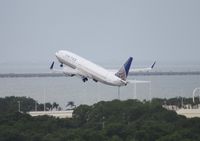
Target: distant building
x=189 y=113
x=171 y=107
x=187 y=110
x=59 y=114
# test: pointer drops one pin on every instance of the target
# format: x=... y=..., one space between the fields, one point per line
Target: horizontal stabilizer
x=138 y=81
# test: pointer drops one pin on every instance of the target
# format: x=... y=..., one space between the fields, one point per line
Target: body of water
x=64 y=89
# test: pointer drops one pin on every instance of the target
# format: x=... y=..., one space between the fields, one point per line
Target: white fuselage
x=85 y=68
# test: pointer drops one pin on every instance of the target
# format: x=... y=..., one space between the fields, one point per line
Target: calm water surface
x=62 y=89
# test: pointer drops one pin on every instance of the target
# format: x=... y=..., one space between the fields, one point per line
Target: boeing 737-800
x=74 y=65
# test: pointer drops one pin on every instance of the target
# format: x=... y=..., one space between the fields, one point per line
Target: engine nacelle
x=69 y=71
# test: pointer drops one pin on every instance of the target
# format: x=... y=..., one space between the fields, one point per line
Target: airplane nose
x=59 y=54
x=56 y=54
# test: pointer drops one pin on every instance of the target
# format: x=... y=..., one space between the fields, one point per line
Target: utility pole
x=103 y=122
x=44 y=99
x=150 y=96
x=135 y=91
x=182 y=102
x=19 y=106
x=35 y=105
x=119 y=92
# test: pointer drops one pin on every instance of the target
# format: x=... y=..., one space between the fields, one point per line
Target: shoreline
x=13 y=75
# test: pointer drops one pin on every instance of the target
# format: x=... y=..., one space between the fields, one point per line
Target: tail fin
x=123 y=72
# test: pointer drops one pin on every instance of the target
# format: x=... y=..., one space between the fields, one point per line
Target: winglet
x=153 y=65
x=52 y=65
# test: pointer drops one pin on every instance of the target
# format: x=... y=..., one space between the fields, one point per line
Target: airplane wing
x=143 y=69
x=137 y=69
x=55 y=70
x=66 y=70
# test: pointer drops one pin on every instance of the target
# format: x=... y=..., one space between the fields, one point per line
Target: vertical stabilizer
x=123 y=72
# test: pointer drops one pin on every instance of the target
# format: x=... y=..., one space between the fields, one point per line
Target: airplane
x=74 y=65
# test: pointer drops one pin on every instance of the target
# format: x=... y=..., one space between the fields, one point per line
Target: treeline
x=23 y=104
x=178 y=101
x=129 y=120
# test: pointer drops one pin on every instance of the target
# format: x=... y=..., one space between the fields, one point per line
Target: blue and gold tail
x=123 y=72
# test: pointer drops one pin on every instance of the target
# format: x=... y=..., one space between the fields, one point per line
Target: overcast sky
x=104 y=31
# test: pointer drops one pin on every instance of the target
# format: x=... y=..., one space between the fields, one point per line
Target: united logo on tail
x=123 y=72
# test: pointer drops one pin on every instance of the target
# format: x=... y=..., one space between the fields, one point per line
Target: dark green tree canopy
x=129 y=120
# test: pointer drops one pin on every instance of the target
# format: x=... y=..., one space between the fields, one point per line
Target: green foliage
x=115 y=120
x=10 y=104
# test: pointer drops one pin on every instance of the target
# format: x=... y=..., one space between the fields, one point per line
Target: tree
x=128 y=120
x=48 y=106
x=55 y=105
x=71 y=105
